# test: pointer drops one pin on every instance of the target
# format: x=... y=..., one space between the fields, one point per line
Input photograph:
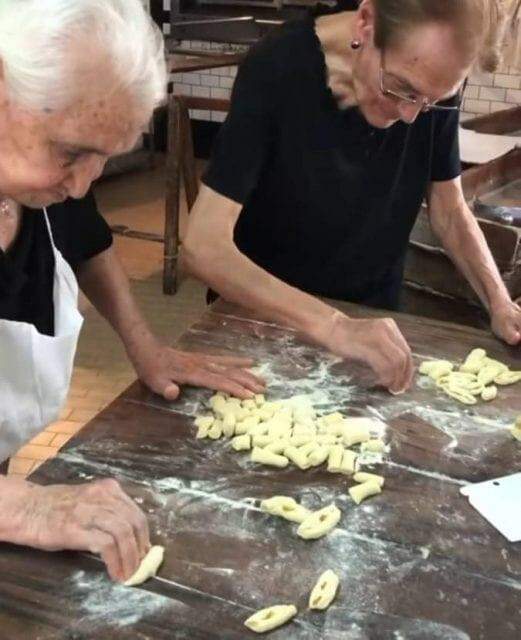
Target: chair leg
x=173 y=179
x=191 y=181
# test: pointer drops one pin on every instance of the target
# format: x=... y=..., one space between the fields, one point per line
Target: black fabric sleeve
x=446 y=163
x=242 y=145
x=79 y=230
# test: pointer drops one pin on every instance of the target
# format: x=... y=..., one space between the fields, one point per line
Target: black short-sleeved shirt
x=328 y=201
x=27 y=269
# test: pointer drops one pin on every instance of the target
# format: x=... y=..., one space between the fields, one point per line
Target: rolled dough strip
x=241 y=443
x=374 y=446
x=267 y=457
x=489 y=393
x=298 y=457
x=148 y=567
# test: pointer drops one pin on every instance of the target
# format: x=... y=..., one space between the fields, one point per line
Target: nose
x=83 y=175
x=409 y=112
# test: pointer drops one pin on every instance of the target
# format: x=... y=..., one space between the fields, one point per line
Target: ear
x=364 y=22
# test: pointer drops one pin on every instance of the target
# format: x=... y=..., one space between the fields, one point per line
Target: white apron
x=35 y=369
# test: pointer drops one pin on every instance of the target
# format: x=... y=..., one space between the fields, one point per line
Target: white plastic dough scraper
x=499 y=501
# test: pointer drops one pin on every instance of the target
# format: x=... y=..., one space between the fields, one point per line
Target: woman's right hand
x=378 y=343
x=98 y=517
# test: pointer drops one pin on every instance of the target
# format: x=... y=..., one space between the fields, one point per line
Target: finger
x=231 y=361
x=126 y=542
x=219 y=382
x=138 y=521
x=243 y=377
x=104 y=545
x=171 y=391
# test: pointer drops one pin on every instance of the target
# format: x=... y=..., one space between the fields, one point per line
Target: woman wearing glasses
x=339 y=127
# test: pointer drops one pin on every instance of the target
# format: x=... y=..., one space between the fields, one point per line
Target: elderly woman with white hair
x=78 y=82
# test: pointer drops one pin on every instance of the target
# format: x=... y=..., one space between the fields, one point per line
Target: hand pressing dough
x=319 y=523
x=267 y=457
x=324 y=591
x=277 y=446
x=271 y=618
x=364 y=490
x=285 y=507
x=363 y=476
x=148 y=567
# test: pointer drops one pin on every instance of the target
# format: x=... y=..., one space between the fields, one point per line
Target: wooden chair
x=180 y=164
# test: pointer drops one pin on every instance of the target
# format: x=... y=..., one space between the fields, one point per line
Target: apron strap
x=4 y=467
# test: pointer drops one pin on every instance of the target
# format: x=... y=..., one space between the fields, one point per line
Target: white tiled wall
x=211 y=83
x=489 y=92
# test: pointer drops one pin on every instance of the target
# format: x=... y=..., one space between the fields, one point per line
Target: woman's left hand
x=506 y=322
x=163 y=369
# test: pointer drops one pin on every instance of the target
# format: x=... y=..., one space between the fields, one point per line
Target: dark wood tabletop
x=416 y=562
x=198 y=61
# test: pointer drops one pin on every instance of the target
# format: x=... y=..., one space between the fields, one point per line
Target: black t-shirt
x=328 y=201
x=27 y=269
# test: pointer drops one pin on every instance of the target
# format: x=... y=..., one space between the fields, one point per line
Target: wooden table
x=201 y=60
x=415 y=562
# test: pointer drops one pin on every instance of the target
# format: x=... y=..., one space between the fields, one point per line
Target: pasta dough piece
x=326 y=438
x=508 y=377
x=241 y=443
x=489 y=393
x=474 y=361
x=245 y=425
x=249 y=404
x=271 y=618
x=307 y=448
x=299 y=441
x=436 y=368
x=487 y=374
x=362 y=491
x=304 y=430
x=318 y=456
x=217 y=403
x=374 y=446
x=277 y=446
x=331 y=418
x=348 y=464
x=267 y=457
x=319 y=523
x=460 y=394
x=363 y=476
x=336 y=453
x=259 y=399
x=285 y=507
x=324 y=591
x=298 y=457
x=516 y=432
x=216 y=430
x=204 y=421
x=229 y=421
x=356 y=431
x=148 y=567
x=260 y=440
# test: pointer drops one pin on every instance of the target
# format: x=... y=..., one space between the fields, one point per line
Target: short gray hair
x=36 y=36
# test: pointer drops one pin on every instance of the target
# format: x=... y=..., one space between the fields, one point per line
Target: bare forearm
x=106 y=285
x=15 y=498
x=237 y=279
x=463 y=240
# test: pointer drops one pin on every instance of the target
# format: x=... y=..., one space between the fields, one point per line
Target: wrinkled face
x=48 y=157
x=426 y=64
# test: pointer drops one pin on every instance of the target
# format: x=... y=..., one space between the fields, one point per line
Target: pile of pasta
x=289 y=431
x=476 y=378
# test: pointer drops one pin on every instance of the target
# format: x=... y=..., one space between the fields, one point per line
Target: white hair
x=37 y=39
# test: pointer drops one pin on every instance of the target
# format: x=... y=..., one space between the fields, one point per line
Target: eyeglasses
x=390 y=86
